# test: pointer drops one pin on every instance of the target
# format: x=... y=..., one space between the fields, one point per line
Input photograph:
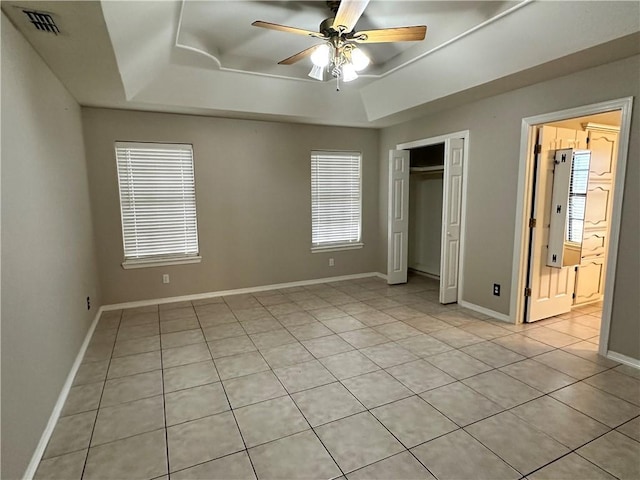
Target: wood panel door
x=604 y=148
x=551 y=289
x=398 y=227
x=451 y=220
x=590 y=274
x=590 y=280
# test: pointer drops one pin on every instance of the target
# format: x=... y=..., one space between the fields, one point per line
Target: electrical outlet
x=88 y=303
x=165 y=278
x=496 y=289
x=331 y=262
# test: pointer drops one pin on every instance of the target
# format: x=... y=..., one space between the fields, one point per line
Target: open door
x=550 y=290
x=398 y=228
x=451 y=220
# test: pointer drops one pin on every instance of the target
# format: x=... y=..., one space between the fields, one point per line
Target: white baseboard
x=55 y=414
x=380 y=275
x=492 y=313
x=620 y=358
x=238 y=291
x=425 y=274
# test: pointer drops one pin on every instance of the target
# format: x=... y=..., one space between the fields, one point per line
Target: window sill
x=158 y=262
x=337 y=248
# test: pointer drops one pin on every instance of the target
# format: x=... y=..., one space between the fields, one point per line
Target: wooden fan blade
x=398 y=34
x=298 y=56
x=284 y=28
x=348 y=14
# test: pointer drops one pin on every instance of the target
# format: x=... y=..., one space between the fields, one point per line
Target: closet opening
x=426 y=179
x=427 y=210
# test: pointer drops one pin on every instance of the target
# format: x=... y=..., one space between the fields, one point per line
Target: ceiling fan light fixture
x=339 y=55
x=317 y=73
x=359 y=59
x=320 y=56
x=348 y=72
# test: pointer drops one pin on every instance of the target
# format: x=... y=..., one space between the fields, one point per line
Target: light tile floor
x=351 y=379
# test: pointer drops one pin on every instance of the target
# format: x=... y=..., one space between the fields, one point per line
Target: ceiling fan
x=339 y=54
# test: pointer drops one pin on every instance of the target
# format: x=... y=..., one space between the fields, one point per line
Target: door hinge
x=532 y=223
x=576 y=269
x=573 y=295
x=588 y=140
x=537 y=149
x=527 y=292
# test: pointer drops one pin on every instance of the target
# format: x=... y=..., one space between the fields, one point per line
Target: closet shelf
x=436 y=168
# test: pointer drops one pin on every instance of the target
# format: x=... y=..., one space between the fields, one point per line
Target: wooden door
x=590 y=280
x=590 y=274
x=604 y=148
x=451 y=220
x=551 y=289
x=398 y=227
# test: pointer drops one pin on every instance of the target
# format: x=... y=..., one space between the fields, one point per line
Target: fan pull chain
x=337 y=73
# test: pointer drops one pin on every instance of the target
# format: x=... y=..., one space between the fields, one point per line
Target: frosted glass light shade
x=320 y=56
x=317 y=73
x=359 y=59
x=348 y=72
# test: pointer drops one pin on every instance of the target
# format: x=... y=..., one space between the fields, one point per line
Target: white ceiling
x=220 y=30
x=204 y=57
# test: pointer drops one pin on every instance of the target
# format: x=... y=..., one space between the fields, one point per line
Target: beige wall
x=253 y=198
x=494 y=125
x=48 y=254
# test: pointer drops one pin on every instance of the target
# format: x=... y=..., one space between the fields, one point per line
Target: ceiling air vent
x=42 y=21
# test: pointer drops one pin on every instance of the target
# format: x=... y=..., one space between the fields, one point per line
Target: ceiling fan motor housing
x=326 y=27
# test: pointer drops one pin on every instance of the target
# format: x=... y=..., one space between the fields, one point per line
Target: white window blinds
x=577 y=197
x=335 y=198
x=157 y=201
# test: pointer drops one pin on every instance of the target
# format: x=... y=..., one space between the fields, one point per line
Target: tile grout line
x=294 y=403
x=414 y=394
x=290 y=397
x=364 y=300
x=106 y=378
x=571 y=450
x=366 y=409
x=575 y=451
x=244 y=443
x=164 y=399
x=542 y=393
x=541 y=396
x=434 y=366
x=303 y=415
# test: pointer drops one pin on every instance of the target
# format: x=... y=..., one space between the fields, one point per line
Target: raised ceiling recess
x=204 y=57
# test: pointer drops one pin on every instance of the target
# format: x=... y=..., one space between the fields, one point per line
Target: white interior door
x=398 y=228
x=451 y=220
x=551 y=289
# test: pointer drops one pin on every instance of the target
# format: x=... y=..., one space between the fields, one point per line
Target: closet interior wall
x=425 y=209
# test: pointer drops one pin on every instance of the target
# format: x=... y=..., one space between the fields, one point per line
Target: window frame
x=156 y=259
x=339 y=245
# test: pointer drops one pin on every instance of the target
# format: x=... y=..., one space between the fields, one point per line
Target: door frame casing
x=425 y=142
x=523 y=205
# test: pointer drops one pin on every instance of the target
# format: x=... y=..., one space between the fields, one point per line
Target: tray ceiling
x=204 y=57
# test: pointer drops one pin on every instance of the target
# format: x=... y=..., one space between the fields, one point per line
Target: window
x=577 y=197
x=157 y=204
x=336 y=200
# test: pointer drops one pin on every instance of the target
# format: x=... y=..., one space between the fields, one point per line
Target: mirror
x=568 y=202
